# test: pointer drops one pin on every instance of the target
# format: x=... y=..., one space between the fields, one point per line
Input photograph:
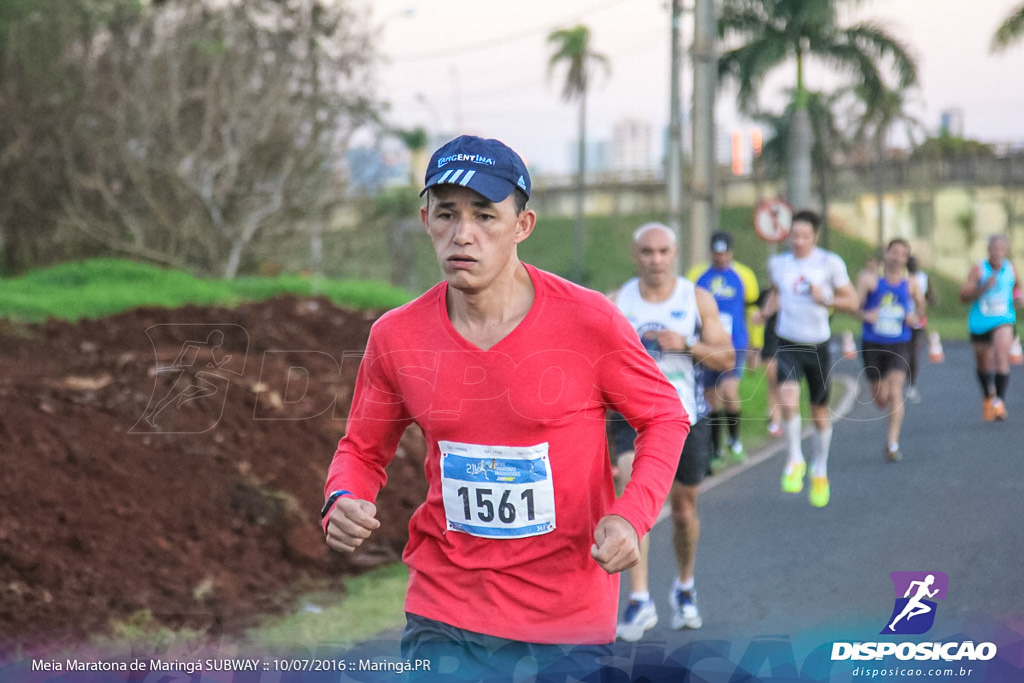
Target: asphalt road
x=781 y=581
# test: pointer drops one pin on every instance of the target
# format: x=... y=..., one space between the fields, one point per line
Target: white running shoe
x=684 y=609
x=640 y=617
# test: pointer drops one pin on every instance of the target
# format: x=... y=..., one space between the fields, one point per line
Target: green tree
x=572 y=48
x=884 y=110
x=772 y=33
x=11 y=11
x=189 y=132
x=948 y=147
x=43 y=45
x=415 y=140
x=1010 y=31
x=828 y=114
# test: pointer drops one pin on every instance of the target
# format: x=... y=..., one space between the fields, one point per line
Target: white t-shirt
x=678 y=313
x=801 y=319
x=922 y=281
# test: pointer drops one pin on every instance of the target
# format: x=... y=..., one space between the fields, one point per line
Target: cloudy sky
x=481 y=67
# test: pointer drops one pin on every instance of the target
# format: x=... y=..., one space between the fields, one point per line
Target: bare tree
x=207 y=125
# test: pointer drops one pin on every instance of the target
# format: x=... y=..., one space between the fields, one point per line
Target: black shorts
x=771 y=339
x=916 y=335
x=696 y=455
x=986 y=336
x=796 y=361
x=881 y=359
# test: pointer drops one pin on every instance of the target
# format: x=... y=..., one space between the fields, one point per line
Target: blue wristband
x=331 y=499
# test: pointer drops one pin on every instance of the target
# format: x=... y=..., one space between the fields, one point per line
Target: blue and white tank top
x=679 y=314
x=893 y=302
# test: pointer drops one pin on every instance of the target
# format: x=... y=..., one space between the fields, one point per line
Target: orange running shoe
x=988 y=410
x=998 y=409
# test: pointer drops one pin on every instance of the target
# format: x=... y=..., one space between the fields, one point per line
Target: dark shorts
x=696 y=455
x=771 y=339
x=812 y=362
x=712 y=378
x=881 y=359
x=440 y=651
x=986 y=336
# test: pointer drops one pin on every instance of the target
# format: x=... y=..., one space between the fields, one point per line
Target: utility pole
x=704 y=209
x=674 y=170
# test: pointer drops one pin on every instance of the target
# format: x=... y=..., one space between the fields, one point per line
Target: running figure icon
x=915 y=606
x=198 y=386
x=206 y=357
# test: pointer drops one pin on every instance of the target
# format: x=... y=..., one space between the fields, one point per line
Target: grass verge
x=372 y=604
x=100 y=287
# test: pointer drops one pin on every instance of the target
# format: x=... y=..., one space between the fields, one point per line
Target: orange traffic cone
x=849 y=346
x=935 y=352
x=1016 y=353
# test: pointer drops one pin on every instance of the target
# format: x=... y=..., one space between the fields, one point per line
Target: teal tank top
x=995 y=307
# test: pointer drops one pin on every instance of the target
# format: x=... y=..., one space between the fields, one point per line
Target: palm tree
x=773 y=32
x=883 y=111
x=572 y=47
x=1010 y=31
x=828 y=113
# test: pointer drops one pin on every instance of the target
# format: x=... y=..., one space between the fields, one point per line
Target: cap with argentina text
x=721 y=242
x=487 y=166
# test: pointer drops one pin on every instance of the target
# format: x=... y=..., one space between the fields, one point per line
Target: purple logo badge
x=916 y=592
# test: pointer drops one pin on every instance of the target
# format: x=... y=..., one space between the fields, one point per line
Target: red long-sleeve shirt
x=517 y=458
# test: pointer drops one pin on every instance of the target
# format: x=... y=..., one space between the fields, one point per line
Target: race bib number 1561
x=497 y=491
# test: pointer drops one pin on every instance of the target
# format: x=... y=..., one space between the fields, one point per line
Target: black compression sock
x=985 y=379
x=732 y=421
x=716 y=431
x=1001 y=383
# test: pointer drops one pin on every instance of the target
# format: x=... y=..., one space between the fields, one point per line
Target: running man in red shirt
x=508 y=371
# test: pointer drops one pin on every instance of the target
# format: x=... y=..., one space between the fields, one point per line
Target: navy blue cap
x=721 y=242
x=489 y=167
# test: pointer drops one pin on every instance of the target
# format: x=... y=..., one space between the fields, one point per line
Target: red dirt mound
x=173 y=461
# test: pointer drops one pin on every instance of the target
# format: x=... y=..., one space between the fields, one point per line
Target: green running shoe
x=820 y=492
x=793 y=478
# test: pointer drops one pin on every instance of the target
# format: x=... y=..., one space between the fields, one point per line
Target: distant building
x=371 y=168
x=951 y=122
x=632 y=145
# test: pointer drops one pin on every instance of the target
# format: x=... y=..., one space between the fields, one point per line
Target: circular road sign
x=772 y=219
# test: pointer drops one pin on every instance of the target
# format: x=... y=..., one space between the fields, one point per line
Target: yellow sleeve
x=750 y=287
x=751 y=292
x=694 y=273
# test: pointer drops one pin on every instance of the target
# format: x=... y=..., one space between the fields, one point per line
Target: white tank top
x=679 y=314
x=801 y=319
